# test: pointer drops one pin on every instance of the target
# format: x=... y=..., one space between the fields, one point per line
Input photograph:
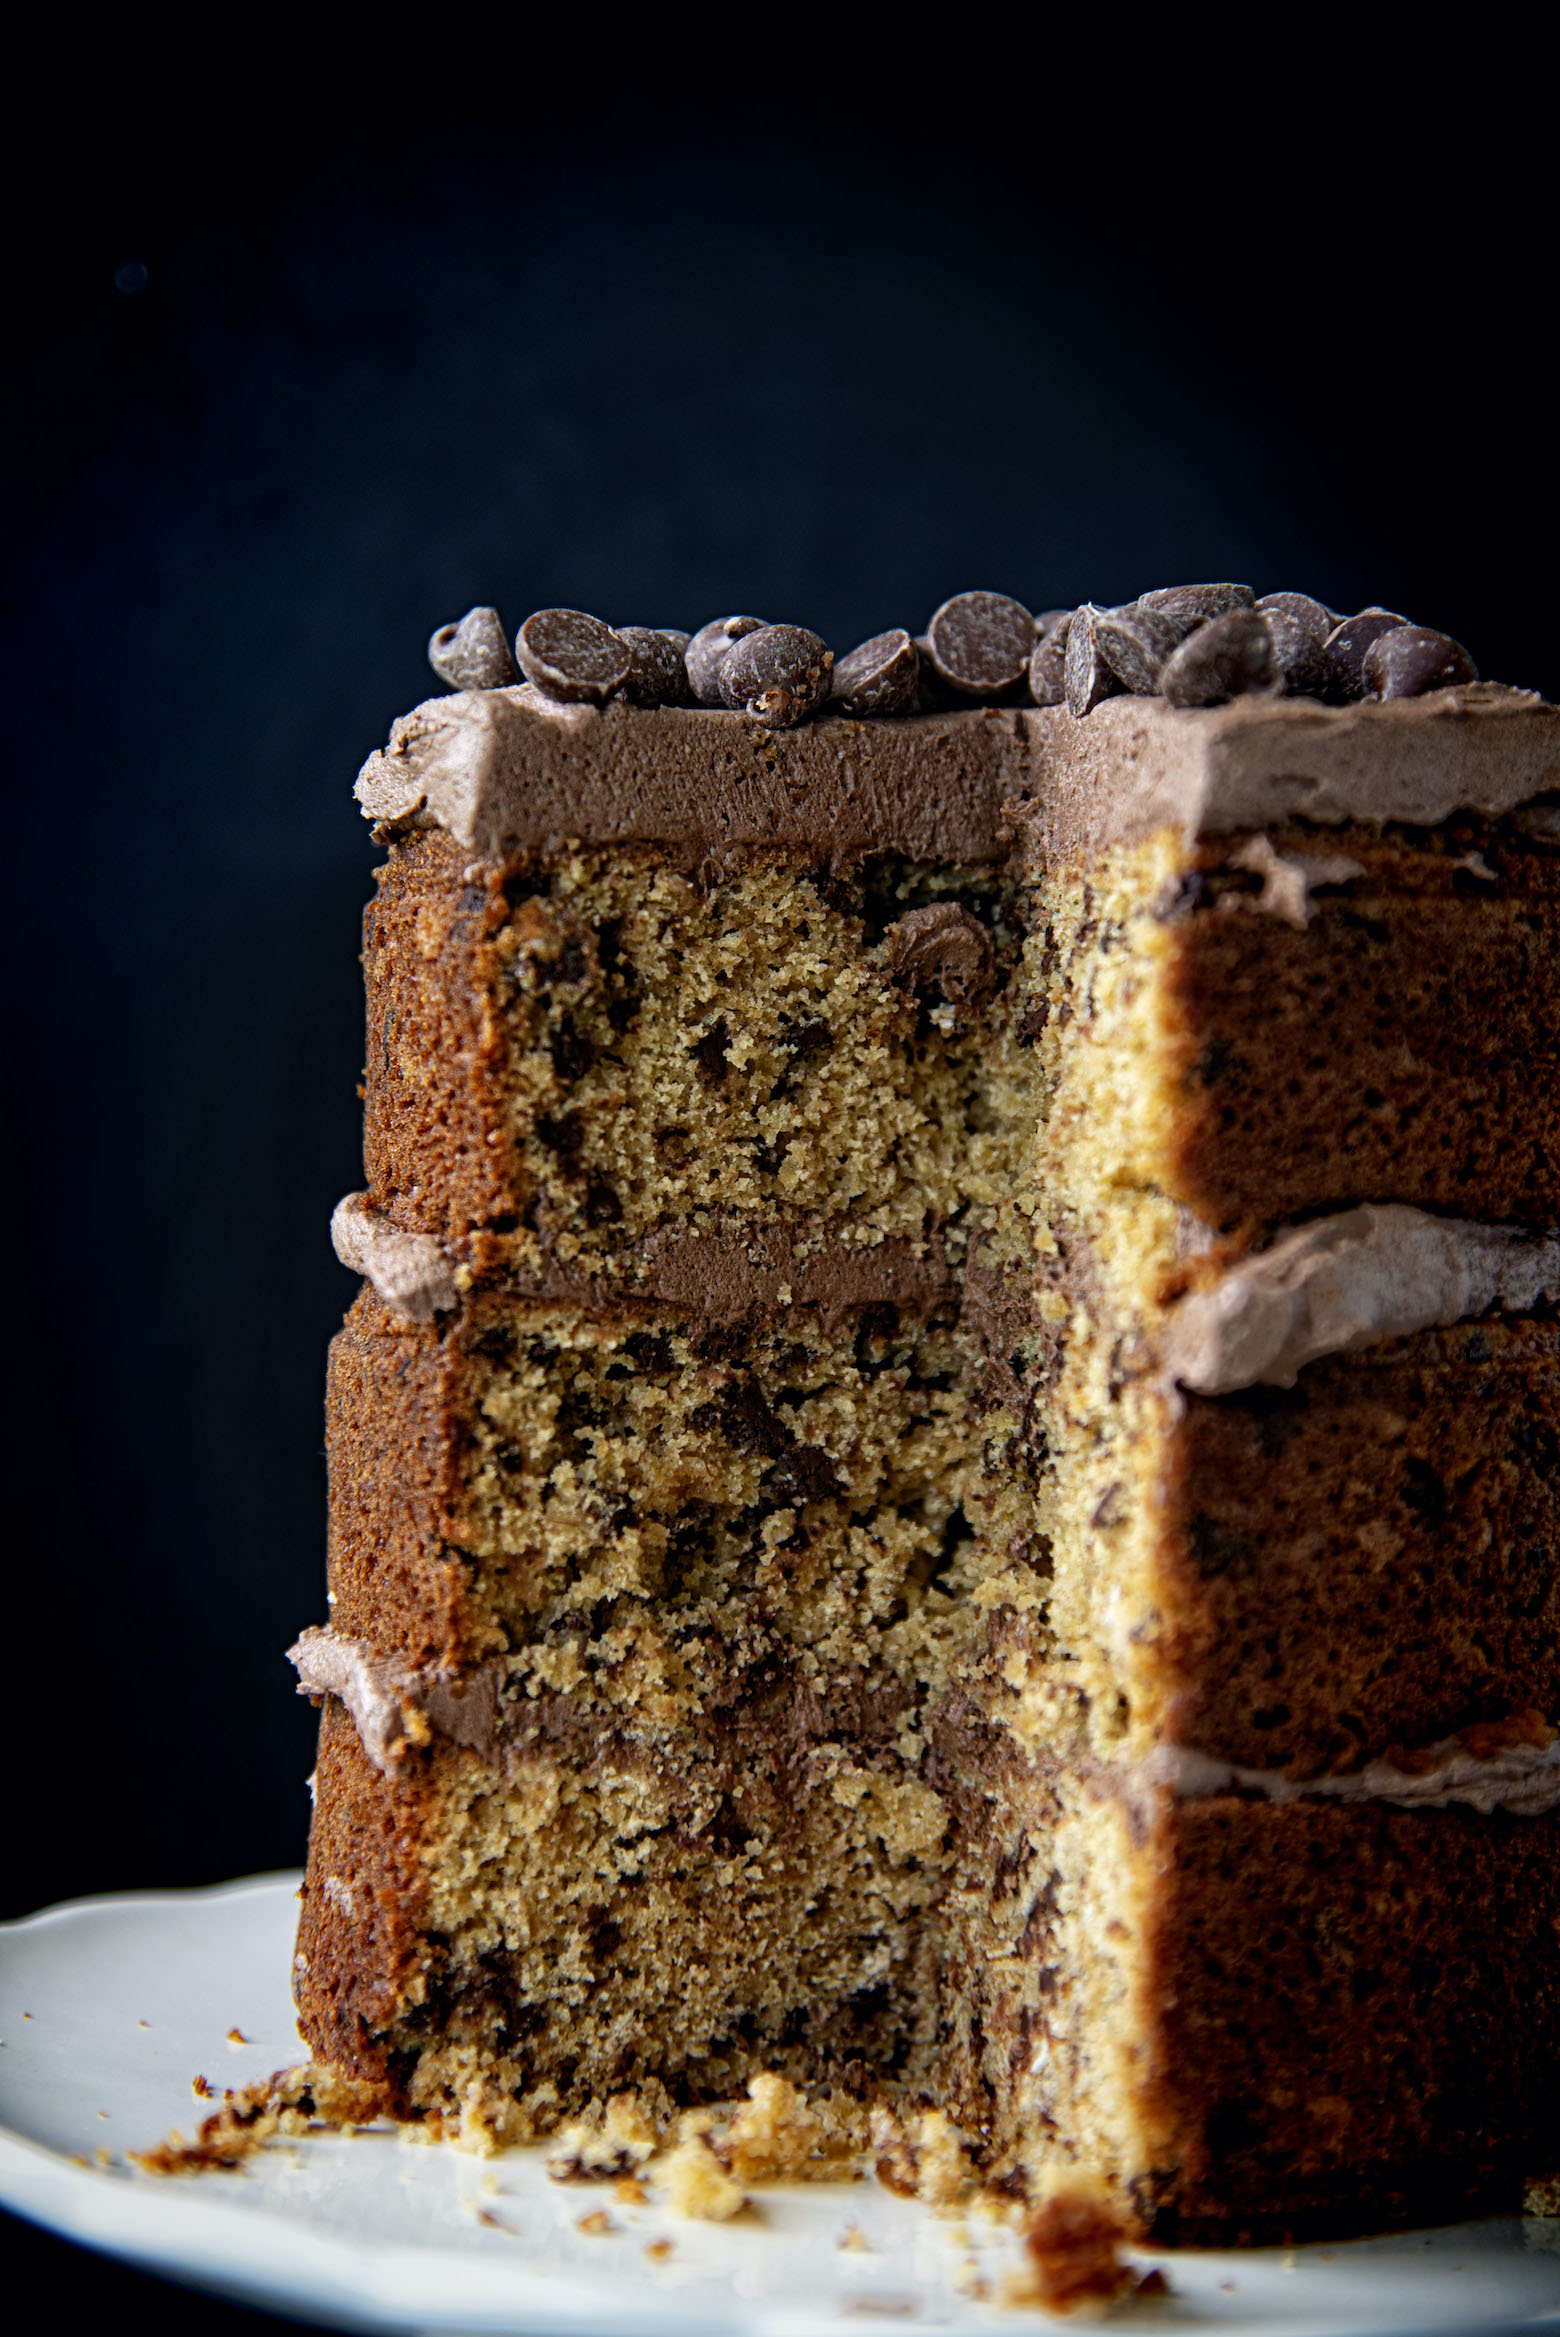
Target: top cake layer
x=508 y=770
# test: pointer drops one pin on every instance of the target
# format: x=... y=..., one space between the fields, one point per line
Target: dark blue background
x=809 y=336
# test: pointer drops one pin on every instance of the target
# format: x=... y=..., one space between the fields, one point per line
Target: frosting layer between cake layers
x=396 y=1706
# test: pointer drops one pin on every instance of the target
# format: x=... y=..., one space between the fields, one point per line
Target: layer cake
x=946 y=1478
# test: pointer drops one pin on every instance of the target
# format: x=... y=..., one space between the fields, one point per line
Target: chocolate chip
x=1048 y=666
x=1411 y=659
x=778 y=675
x=707 y=652
x=473 y=655
x=1301 y=609
x=1230 y=657
x=943 y=948
x=1347 y=644
x=1135 y=642
x=1197 y=601
x=571 y=656
x=1305 y=670
x=980 y=643
x=1089 y=678
x=878 y=678
x=657 y=675
x=709 y=1053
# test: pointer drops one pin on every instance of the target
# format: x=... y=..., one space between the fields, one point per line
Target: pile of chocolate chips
x=1191 y=644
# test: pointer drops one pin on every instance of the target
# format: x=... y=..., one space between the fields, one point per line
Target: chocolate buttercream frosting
x=508 y=770
x=410 y=1271
x=1345 y=1282
x=397 y=1707
x=1522 y=1777
x=1137 y=764
x=736 y=1272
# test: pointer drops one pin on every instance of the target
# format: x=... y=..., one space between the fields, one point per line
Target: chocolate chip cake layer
x=948 y=1480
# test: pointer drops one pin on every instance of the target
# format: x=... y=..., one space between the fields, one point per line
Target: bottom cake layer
x=1250 y=2018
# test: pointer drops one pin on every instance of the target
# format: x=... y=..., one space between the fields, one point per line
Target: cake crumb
x=236 y=2036
x=1541 y=2195
x=288 y=2102
x=695 y=2182
x=611 y=2147
x=494 y=2222
x=924 y=2160
x=596 y=2224
x=659 y=2250
x=855 y=2239
x=203 y=2089
x=773 y=2135
x=1074 y=2243
x=630 y=2192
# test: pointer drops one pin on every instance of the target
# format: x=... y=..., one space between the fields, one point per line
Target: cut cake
x=946 y=1478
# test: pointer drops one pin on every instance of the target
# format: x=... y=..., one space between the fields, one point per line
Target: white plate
x=109 y=2007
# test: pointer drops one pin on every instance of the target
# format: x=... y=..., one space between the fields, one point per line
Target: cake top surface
x=1196 y=707
x=507 y=770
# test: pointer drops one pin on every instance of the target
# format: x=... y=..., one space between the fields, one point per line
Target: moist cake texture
x=946 y=1478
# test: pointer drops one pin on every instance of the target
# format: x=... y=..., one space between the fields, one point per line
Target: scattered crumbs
x=495 y=2223
x=143 y=2024
x=79 y=2159
x=203 y=2089
x=102 y=2113
x=595 y=2225
x=659 y=2250
x=697 y=2185
x=629 y=2190
x=236 y=2036
x=27 y=2016
x=897 y=2308
x=854 y=2238
x=104 y=2158
x=1289 y=2261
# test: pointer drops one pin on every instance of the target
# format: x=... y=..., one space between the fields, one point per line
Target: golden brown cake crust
x=1360 y=2016
x=394 y=1444
x=1401 y=1043
x=1366 y=1559
x=359 y=1941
